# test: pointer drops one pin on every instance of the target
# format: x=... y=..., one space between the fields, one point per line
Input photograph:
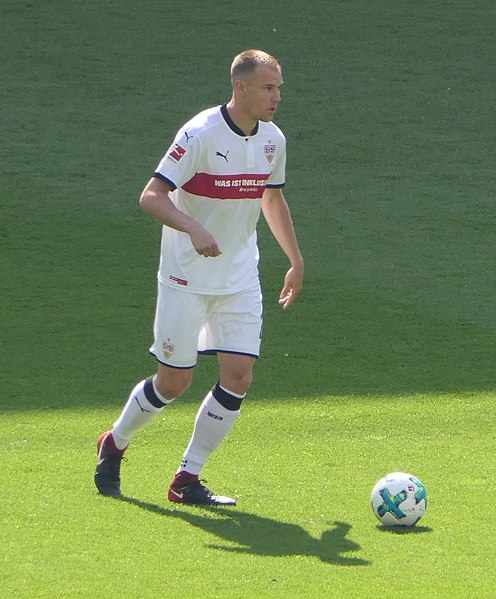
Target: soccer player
x=225 y=165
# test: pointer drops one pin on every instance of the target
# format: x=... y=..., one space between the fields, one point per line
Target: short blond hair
x=246 y=62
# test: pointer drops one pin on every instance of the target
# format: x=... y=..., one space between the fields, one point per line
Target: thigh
x=234 y=324
x=179 y=318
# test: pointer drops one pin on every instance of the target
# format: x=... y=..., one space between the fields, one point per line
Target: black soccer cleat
x=195 y=493
x=108 y=466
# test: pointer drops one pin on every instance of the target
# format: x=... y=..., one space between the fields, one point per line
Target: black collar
x=232 y=125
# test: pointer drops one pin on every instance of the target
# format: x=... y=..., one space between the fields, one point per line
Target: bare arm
x=278 y=217
x=156 y=202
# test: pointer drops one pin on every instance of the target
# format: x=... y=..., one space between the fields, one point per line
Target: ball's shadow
x=404 y=530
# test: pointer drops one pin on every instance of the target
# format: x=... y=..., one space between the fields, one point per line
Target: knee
x=171 y=384
x=236 y=372
x=237 y=381
x=245 y=381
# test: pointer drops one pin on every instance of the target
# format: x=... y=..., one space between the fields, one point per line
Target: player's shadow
x=249 y=533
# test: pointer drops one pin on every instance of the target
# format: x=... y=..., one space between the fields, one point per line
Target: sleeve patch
x=177 y=152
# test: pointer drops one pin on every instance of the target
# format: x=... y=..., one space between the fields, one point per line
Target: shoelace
x=198 y=484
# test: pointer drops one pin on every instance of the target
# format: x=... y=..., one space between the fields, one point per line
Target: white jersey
x=219 y=175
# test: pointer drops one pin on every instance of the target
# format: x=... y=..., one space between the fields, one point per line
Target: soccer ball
x=399 y=499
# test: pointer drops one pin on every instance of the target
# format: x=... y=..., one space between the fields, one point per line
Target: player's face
x=263 y=93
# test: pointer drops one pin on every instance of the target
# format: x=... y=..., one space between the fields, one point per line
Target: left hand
x=293 y=282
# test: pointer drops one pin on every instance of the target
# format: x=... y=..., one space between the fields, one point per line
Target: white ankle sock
x=213 y=422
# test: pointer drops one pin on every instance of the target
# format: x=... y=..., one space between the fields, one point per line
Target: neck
x=245 y=122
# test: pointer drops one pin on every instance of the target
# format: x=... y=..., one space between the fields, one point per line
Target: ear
x=239 y=87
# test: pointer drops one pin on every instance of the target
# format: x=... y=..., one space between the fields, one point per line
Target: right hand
x=204 y=243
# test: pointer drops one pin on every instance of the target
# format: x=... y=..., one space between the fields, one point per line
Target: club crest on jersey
x=270 y=150
x=177 y=153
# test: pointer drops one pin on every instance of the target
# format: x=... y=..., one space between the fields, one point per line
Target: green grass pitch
x=386 y=362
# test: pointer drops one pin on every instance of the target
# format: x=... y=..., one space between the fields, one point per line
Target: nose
x=276 y=96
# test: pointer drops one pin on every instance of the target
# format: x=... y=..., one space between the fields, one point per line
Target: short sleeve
x=278 y=175
x=180 y=163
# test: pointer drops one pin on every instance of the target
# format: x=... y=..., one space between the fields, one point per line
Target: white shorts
x=188 y=323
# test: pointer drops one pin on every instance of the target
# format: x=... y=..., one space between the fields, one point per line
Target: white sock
x=138 y=412
x=212 y=424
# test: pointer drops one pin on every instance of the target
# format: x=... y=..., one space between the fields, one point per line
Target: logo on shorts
x=167 y=349
x=270 y=151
